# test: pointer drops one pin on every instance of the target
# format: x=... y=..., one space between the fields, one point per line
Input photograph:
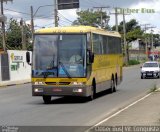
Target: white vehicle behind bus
x=150 y=69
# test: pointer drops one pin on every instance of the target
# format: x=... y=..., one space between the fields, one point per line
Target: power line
x=45 y=17
x=65 y=21
x=65 y=18
x=17 y=11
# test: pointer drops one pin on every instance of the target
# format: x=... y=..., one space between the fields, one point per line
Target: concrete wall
x=19 y=69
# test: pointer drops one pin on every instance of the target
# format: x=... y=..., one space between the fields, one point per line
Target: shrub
x=133 y=62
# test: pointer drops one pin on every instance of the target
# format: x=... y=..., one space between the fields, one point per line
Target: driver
x=75 y=59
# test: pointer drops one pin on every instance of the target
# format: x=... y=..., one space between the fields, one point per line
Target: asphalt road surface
x=19 y=108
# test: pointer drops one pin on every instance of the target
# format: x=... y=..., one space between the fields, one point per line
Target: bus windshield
x=59 y=55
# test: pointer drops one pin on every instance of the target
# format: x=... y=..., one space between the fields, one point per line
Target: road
x=19 y=108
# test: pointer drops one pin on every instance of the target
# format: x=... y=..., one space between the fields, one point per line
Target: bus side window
x=97 y=44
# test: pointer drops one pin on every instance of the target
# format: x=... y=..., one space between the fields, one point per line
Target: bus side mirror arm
x=90 y=56
x=28 y=57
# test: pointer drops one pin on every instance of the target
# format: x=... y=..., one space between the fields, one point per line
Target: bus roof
x=77 y=29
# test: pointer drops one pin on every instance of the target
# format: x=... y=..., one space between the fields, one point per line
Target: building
x=137 y=50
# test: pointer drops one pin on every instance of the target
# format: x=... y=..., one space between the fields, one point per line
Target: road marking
x=118 y=112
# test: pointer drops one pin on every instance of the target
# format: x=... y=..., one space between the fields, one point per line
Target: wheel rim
x=112 y=85
x=115 y=87
x=92 y=93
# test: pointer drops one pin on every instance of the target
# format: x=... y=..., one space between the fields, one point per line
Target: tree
x=92 y=18
x=132 y=24
x=14 y=35
x=134 y=35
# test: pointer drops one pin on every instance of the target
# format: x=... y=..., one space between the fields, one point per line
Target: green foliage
x=133 y=62
x=14 y=35
x=91 y=18
x=134 y=34
x=132 y=24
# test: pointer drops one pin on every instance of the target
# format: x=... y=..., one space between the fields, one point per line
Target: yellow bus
x=75 y=61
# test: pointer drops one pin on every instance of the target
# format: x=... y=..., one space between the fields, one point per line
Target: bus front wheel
x=47 y=99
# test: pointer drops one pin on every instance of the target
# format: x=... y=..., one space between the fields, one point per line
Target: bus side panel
x=103 y=68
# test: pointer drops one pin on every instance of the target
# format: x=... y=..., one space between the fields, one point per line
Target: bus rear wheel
x=47 y=99
x=113 y=85
x=93 y=91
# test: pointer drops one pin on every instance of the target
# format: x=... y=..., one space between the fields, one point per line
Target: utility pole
x=101 y=9
x=146 y=27
x=56 y=13
x=23 y=35
x=124 y=38
x=3 y=28
x=152 y=37
x=32 y=23
x=3 y=25
x=116 y=17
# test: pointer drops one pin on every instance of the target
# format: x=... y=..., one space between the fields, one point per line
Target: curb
x=13 y=83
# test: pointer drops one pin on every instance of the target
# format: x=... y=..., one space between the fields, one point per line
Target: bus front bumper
x=40 y=90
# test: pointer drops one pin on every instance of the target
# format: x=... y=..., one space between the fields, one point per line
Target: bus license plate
x=57 y=89
x=149 y=74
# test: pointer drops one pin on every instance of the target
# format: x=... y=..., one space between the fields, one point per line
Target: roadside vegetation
x=132 y=62
x=153 y=89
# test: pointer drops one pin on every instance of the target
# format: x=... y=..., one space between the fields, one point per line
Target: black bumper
x=61 y=90
x=150 y=74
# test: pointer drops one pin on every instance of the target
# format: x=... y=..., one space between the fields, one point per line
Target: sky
x=147 y=11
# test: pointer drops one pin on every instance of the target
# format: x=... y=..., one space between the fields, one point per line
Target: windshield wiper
x=65 y=70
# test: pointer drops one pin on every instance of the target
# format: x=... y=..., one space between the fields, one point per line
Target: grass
x=132 y=62
x=153 y=89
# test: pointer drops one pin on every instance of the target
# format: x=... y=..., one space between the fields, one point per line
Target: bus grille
x=58 y=83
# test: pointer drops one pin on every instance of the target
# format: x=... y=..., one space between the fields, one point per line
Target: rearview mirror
x=28 y=57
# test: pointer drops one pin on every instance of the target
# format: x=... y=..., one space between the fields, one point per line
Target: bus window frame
x=58 y=49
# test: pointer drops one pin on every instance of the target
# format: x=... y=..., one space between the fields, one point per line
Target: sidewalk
x=11 y=83
x=144 y=113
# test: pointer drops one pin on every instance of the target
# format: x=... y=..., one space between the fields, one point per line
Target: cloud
x=67 y=16
x=143 y=18
x=11 y=14
x=148 y=18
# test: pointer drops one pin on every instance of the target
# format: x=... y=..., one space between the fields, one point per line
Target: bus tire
x=93 y=90
x=47 y=99
x=112 y=85
x=116 y=78
x=115 y=86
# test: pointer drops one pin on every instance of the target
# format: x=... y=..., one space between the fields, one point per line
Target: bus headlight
x=77 y=83
x=38 y=83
